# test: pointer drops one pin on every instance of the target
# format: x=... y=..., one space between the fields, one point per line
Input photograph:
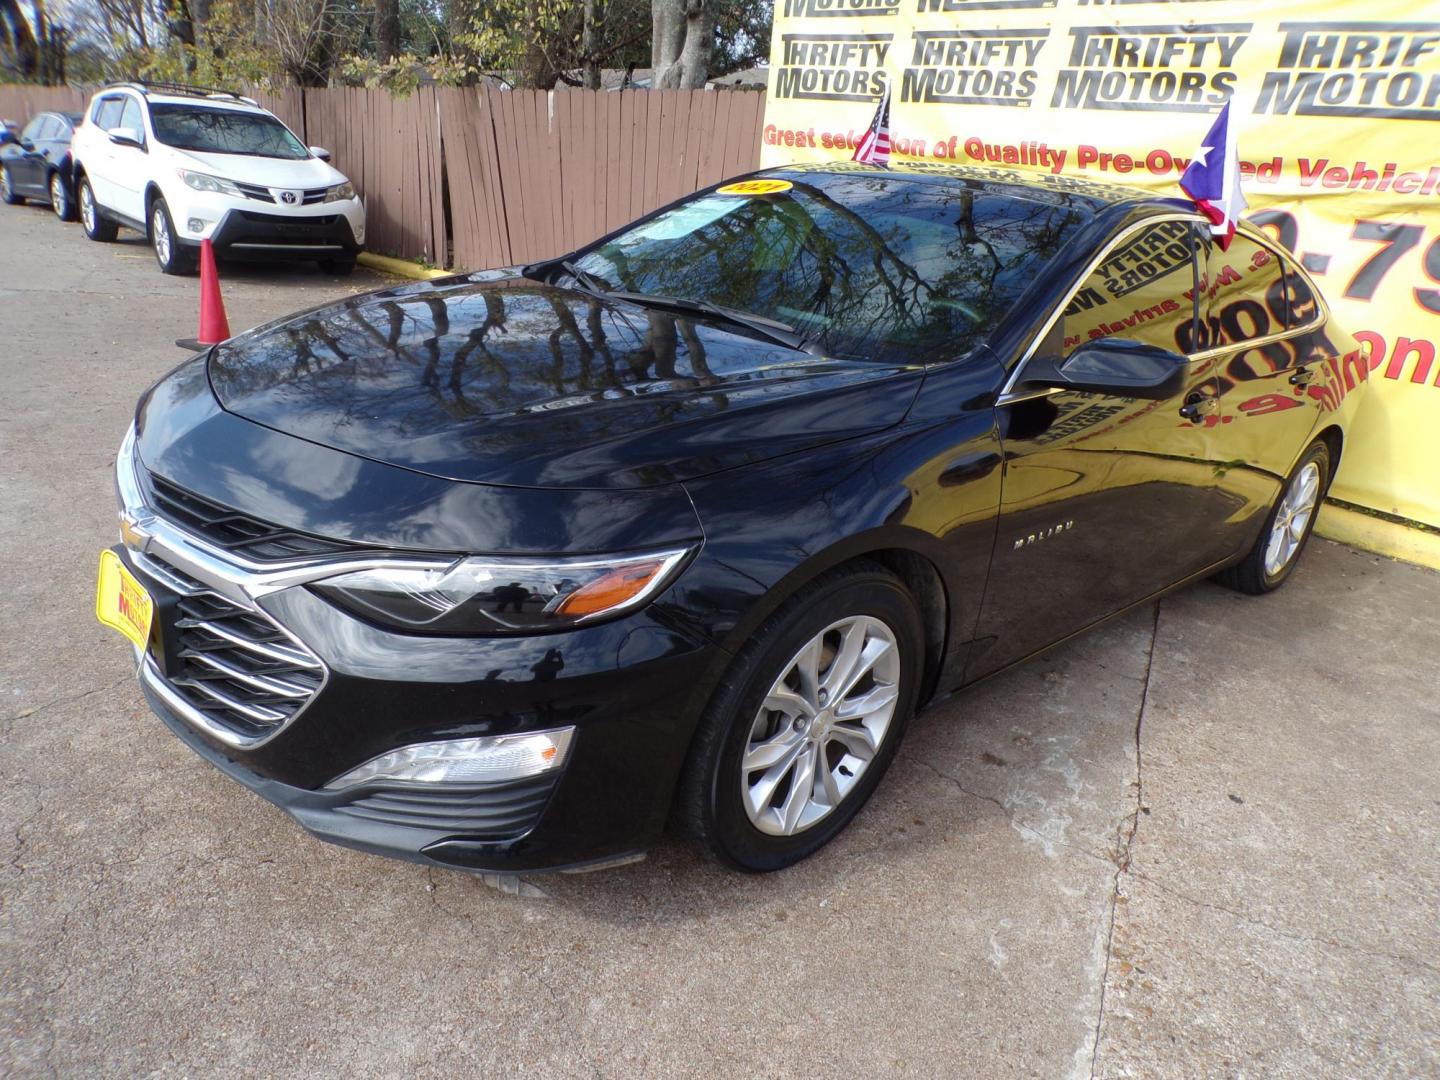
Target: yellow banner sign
x=1338 y=108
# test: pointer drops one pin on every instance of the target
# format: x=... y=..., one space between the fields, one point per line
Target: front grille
x=495 y=810
x=325 y=220
x=232 y=530
x=260 y=193
x=255 y=191
x=234 y=664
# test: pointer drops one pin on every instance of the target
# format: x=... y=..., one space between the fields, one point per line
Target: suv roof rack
x=148 y=86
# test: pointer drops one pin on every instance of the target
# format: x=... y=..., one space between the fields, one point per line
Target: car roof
x=205 y=100
x=1098 y=197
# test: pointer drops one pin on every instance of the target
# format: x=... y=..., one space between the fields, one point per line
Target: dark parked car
x=38 y=165
x=504 y=571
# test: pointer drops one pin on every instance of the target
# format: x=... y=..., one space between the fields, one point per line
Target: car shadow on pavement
x=1031 y=770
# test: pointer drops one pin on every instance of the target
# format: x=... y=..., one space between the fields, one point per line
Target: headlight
x=489 y=760
x=205 y=182
x=340 y=192
x=496 y=595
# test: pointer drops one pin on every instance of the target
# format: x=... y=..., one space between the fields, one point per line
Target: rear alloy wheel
x=7 y=189
x=60 y=200
x=96 y=227
x=1287 y=529
x=173 y=259
x=802 y=728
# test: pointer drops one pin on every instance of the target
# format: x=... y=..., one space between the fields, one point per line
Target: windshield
x=223 y=131
x=880 y=267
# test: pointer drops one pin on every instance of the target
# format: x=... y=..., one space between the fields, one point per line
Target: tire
x=1279 y=546
x=173 y=258
x=95 y=226
x=60 y=199
x=7 y=189
x=749 y=818
x=342 y=267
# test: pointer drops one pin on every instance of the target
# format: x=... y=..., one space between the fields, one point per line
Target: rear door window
x=1243 y=294
x=107 y=113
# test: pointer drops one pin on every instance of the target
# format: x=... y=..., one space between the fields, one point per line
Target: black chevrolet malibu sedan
x=505 y=571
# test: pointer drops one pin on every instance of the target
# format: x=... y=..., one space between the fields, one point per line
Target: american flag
x=1212 y=180
x=874 y=145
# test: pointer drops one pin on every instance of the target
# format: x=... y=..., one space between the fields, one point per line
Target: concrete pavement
x=1204 y=840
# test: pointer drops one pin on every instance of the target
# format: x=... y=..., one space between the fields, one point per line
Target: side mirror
x=1114 y=366
x=320 y=152
x=27 y=146
x=126 y=137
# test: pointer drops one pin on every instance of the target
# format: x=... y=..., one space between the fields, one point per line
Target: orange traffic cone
x=214 y=327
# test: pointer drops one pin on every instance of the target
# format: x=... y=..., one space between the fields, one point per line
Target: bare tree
x=684 y=36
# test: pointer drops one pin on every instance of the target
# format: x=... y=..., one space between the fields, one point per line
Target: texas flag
x=1213 y=179
x=874 y=146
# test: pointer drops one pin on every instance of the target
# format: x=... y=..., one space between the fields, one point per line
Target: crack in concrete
x=1292 y=935
x=64 y=701
x=1125 y=841
x=1009 y=816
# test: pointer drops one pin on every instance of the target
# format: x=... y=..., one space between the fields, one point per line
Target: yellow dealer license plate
x=122 y=602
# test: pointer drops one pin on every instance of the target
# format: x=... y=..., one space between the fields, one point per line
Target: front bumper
x=248 y=228
x=256 y=234
x=417 y=822
x=631 y=689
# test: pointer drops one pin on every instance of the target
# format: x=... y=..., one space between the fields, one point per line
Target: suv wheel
x=173 y=259
x=96 y=227
x=60 y=200
x=1287 y=529
x=805 y=723
x=342 y=267
x=7 y=188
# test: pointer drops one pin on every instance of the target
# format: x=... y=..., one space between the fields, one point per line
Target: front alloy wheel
x=820 y=725
x=805 y=721
x=173 y=259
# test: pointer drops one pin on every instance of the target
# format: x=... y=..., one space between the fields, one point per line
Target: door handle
x=1302 y=377
x=1198 y=405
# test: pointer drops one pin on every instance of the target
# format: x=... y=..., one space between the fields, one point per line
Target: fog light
x=487 y=760
x=359 y=234
x=195 y=225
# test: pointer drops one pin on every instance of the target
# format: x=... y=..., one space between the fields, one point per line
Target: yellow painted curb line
x=402 y=267
x=1379 y=535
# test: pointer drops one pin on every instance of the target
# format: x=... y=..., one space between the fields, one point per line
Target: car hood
x=269 y=172
x=496 y=379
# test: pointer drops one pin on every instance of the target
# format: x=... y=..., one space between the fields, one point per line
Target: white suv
x=185 y=164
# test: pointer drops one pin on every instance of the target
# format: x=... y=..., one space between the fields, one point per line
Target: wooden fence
x=476 y=177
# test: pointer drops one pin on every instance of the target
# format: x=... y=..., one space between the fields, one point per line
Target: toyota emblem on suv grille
x=289 y=197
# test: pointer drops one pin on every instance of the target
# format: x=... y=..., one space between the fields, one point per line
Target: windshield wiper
x=588 y=281
x=773 y=329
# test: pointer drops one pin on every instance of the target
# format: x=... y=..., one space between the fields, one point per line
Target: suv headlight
x=205 y=182
x=498 y=595
x=340 y=192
